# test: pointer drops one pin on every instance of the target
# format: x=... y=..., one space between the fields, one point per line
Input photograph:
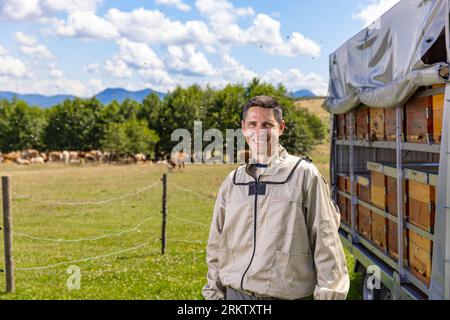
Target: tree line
x=131 y=127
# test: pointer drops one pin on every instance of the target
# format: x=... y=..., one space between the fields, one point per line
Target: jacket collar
x=273 y=164
x=274 y=168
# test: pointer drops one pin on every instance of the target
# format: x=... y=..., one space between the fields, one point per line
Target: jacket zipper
x=255 y=215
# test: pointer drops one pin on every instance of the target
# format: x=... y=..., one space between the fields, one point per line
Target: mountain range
x=106 y=96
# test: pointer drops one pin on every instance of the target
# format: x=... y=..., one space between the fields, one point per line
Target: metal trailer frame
x=401 y=283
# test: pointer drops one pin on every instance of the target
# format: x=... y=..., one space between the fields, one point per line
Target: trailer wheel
x=368 y=293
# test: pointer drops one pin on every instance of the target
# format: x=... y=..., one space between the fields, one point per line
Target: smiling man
x=274 y=233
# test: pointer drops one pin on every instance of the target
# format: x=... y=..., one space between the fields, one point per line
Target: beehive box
x=341 y=129
x=421 y=185
x=438 y=113
x=363 y=215
x=362 y=123
x=392 y=208
x=391 y=123
x=379 y=200
x=424 y=118
x=377 y=132
x=343 y=184
x=420 y=256
x=419 y=119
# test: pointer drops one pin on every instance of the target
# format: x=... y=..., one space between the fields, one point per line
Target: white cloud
x=158 y=79
x=42 y=10
x=71 y=5
x=153 y=27
x=55 y=73
x=234 y=71
x=12 y=67
x=86 y=24
x=294 y=80
x=20 y=10
x=118 y=69
x=265 y=31
x=179 y=4
x=3 y=51
x=24 y=39
x=375 y=10
x=188 y=61
x=92 y=68
x=138 y=55
x=38 y=51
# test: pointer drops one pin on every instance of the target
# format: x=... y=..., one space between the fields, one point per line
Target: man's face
x=262 y=131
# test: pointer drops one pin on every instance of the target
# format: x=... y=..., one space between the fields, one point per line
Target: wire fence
x=9 y=195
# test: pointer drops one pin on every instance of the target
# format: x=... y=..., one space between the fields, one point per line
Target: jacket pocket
x=292 y=275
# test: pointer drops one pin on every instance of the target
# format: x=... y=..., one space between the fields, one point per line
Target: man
x=274 y=233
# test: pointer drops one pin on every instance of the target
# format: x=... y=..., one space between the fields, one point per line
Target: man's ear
x=242 y=124
x=282 y=127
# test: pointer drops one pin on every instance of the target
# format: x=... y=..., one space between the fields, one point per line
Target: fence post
x=7 y=233
x=164 y=214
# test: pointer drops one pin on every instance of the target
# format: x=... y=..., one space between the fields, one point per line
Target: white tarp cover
x=382 y=65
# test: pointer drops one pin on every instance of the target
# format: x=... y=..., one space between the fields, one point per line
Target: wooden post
x=164 y=214
x=7 y=233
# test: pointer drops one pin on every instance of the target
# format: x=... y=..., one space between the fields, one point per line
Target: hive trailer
x=389 y=100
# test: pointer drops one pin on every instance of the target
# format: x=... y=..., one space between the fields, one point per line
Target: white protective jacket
x=276 y=236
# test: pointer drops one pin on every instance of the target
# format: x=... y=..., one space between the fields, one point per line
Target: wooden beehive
x=421 y=205
x=362 y=123
x=364 y=215
x=391 y=123
x=419 y=120
x=377 y=132
x=379 y=200
x=341 y=129
x=420 y=256
x=438 y=113
x=343 y=184
x=392 y=208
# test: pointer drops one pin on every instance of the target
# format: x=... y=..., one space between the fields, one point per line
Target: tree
x=75 y=125
x=129 y=138
x=21 y=126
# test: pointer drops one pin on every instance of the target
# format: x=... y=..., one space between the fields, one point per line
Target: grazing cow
x=44 y=156
x=11 y=157
x=73 y=155
x=36 y=160
x=139 y=158
x=170 y=164
x=55 y=156
x=66 y=156
x=22 y=161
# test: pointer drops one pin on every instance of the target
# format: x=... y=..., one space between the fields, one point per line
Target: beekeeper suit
x=275 y=234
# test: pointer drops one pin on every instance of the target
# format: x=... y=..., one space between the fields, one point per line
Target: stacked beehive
x=363 y=214
x=344 y=204
x=422 y=121
x=419 y=198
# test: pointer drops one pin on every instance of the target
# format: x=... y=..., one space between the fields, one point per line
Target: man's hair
x=265 y=102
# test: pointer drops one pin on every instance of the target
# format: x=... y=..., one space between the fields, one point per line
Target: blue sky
x=81 y=47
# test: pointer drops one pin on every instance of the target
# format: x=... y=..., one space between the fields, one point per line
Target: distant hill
x=36 y=99
x=302 y=94
x=118 y=94
x=105 y=97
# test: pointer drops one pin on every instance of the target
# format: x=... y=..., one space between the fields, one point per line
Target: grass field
x=131 y=219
